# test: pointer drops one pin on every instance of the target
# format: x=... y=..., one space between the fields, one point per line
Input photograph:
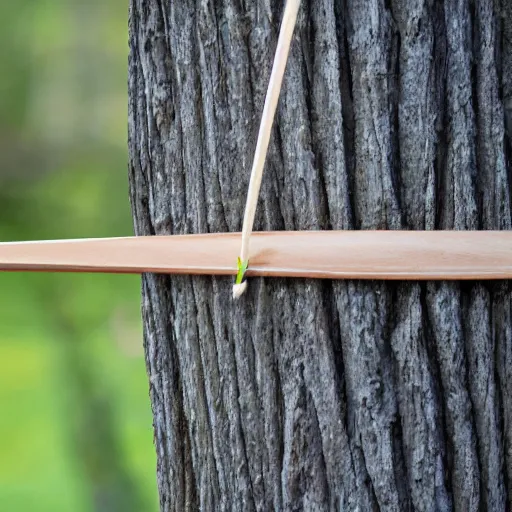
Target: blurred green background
x=75 y=418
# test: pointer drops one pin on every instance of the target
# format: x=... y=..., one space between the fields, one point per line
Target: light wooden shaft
x=267 y=120
x=318 y=254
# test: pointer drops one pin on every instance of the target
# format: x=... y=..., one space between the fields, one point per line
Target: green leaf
x=242 y=267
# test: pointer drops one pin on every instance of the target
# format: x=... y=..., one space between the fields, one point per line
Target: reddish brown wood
x=317 y=254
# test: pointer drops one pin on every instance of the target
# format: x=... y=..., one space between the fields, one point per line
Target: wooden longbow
x=398 y=255
x=316 y=254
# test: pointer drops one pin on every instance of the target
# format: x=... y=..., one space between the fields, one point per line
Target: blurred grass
x=75 y=420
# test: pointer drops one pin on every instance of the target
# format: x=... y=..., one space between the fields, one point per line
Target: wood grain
x=399 y=255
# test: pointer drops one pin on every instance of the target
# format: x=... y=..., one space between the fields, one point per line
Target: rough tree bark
x=318 y=395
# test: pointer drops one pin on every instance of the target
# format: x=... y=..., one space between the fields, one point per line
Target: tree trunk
x=320 y=395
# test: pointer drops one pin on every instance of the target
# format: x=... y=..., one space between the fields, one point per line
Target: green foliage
x=75 y=420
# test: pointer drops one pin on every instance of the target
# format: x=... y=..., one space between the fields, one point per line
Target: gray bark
x=319 y=395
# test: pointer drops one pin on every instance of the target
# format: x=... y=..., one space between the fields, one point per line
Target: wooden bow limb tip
x=396 y=255
x=267 y=119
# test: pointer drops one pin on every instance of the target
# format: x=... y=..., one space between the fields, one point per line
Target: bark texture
x=318 y=395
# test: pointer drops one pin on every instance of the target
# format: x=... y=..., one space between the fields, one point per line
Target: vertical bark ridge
x=185 y=53
x=370 y=41
x=458 y=180
x=445 y=313
x=303 y=184
x=348 y=115
x=236 y=92
x=418 y=111
x=174 y=447
x=483 y=391
x=215 y=109
x=266 y=338
x=422 y=426
x=392 y=115
x=505 y=54
x=493 y=182
x=327 y=114
x=502 y=337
